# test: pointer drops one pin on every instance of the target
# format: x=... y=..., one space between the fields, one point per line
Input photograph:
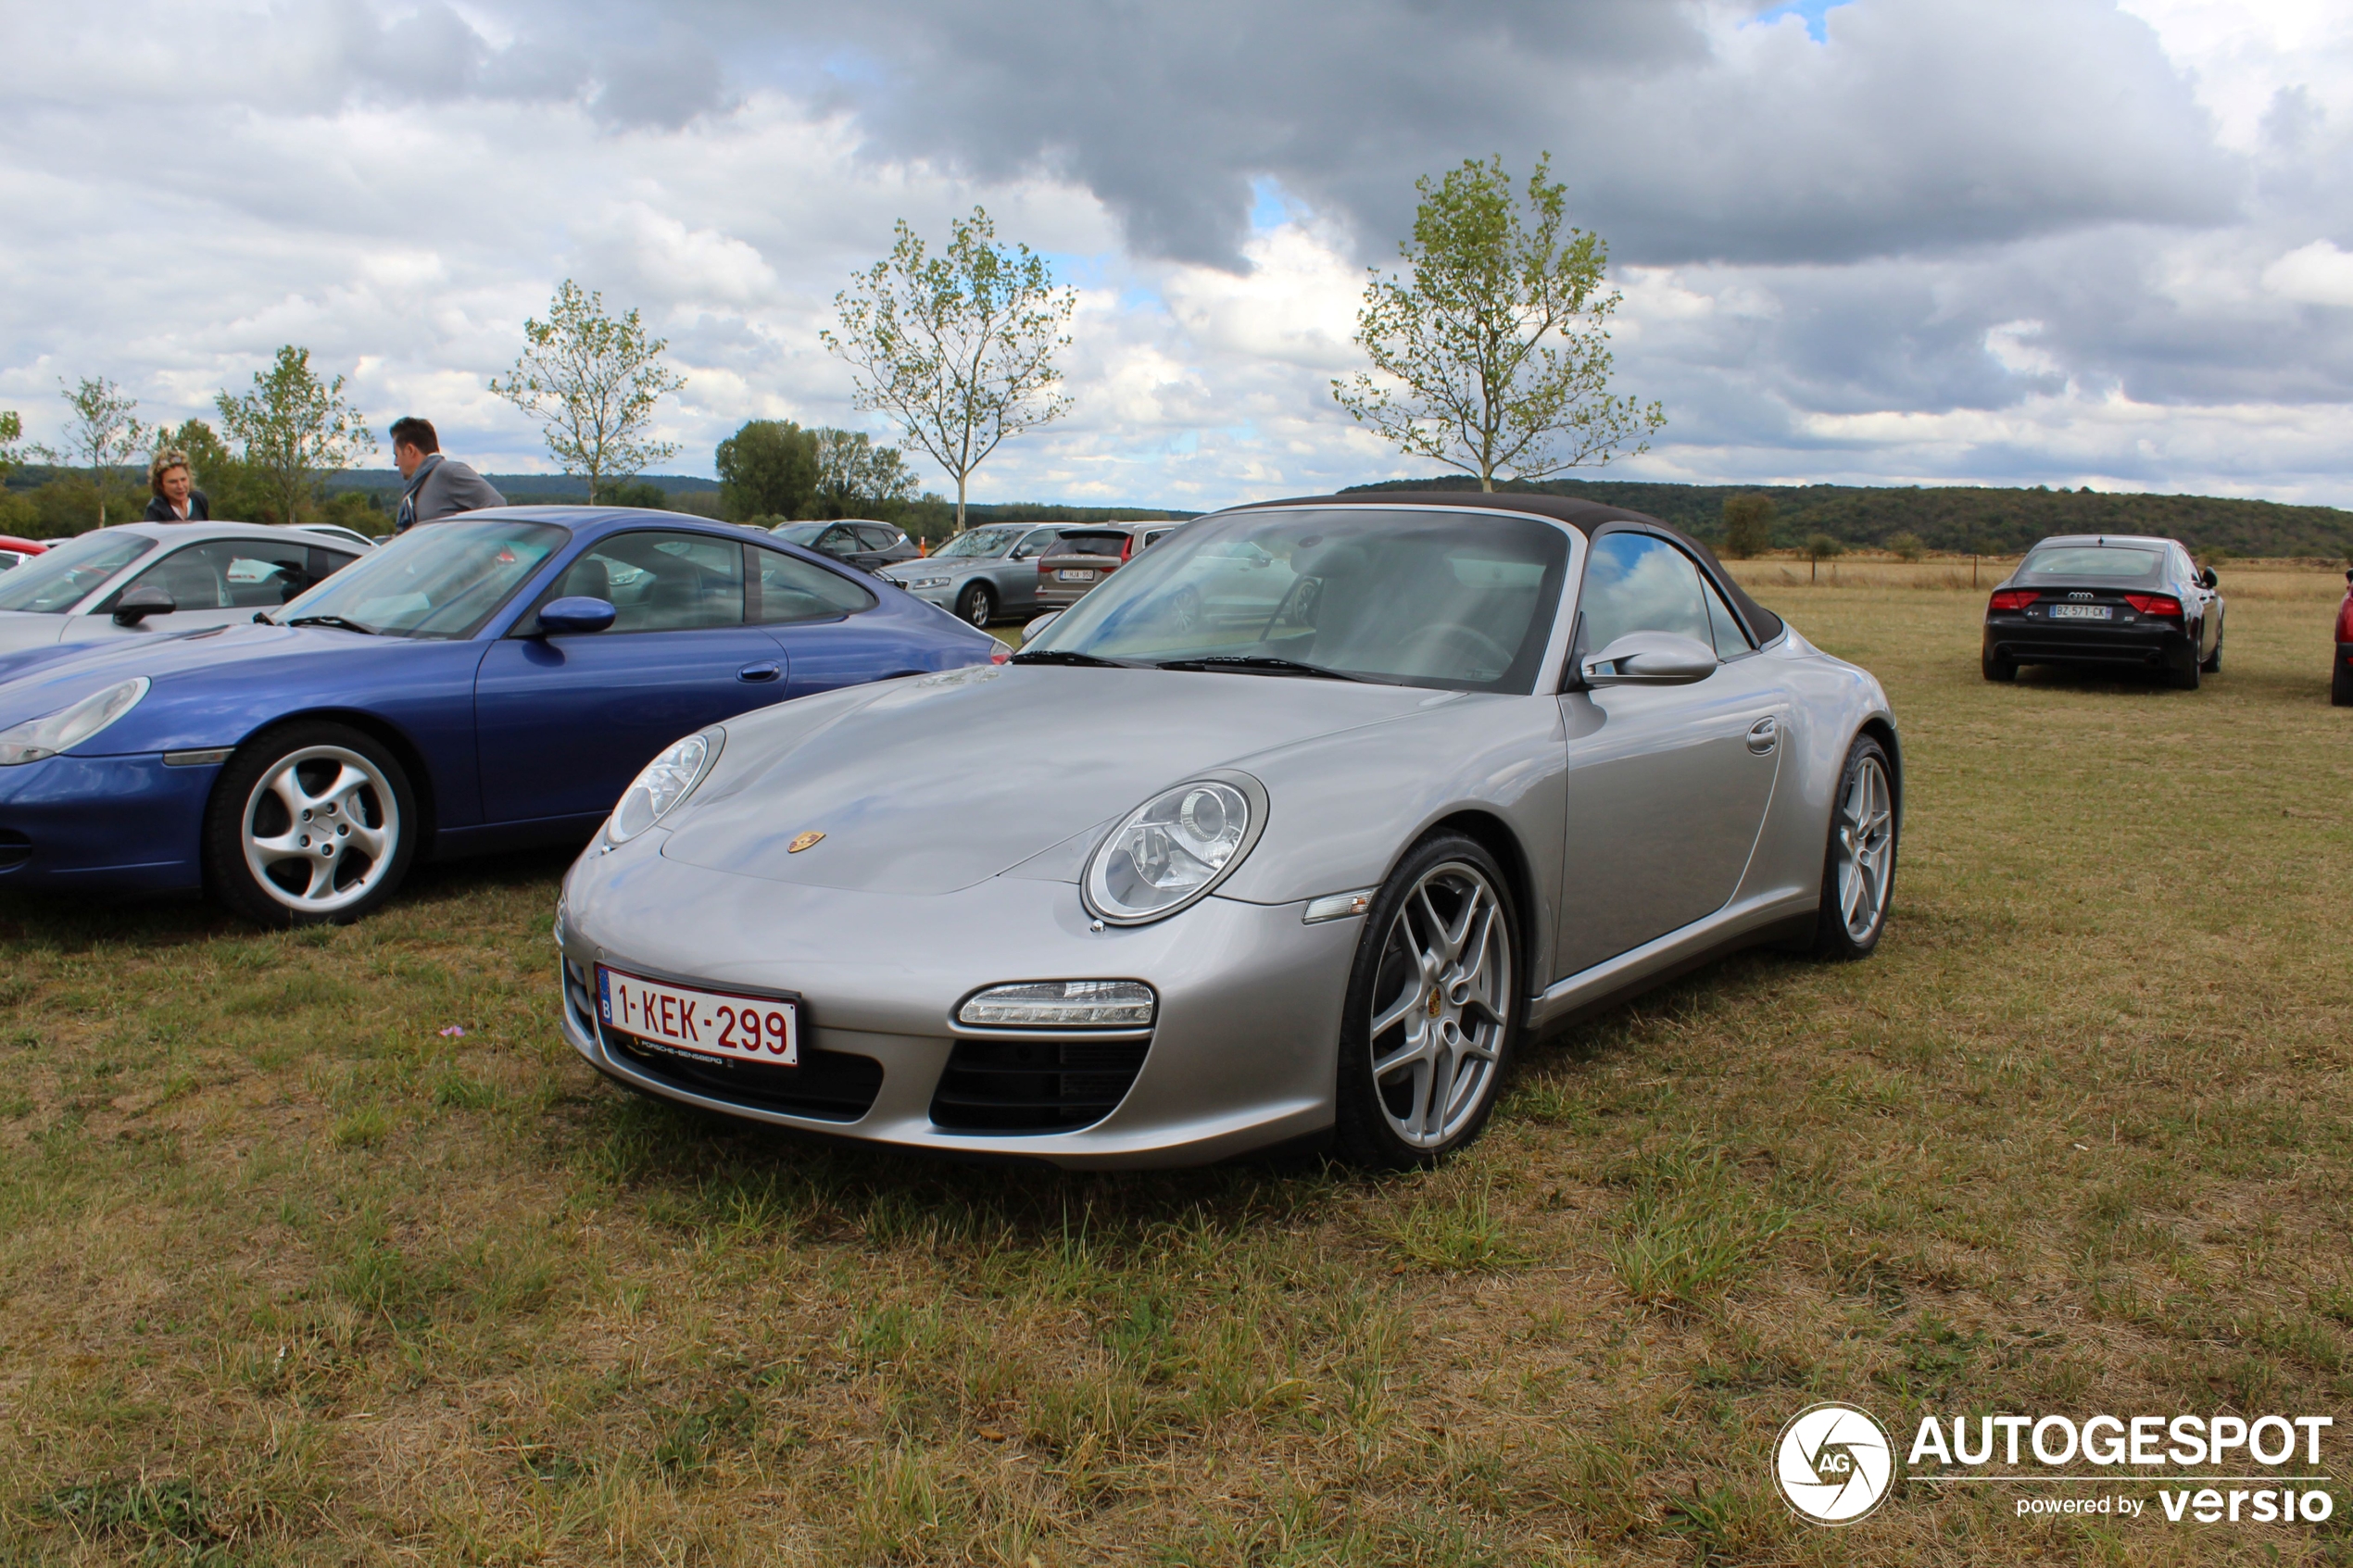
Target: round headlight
x=667 y=780
x=1173 y=849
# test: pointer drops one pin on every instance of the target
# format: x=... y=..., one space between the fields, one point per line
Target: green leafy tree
x=1820 y=547
x=1491 y=354
x=1748 y=525
x=12 y=451
x=767 y=469
x=958 y=348
x=294 y=430
x=593 y=381
x=102 y=436
x=1907 y=547
x=856 y=478
x=18 y=513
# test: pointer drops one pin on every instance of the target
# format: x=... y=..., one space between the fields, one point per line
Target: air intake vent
x=1035 y=1084
x=829 y=1085
x=15 y=849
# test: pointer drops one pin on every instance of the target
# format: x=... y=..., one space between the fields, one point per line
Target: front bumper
x=1243 y=1053
x=2145 y=642
x=944 y=596
x=103 y=824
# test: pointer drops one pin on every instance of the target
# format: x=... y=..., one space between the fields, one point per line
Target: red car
x=2341 y=679
x=15 y=552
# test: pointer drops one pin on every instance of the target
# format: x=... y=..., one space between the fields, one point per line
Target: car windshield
x=54 y=583
x=1457 y=601
x=437 y=580
x=978 y=542
x=2091 y=560
x=802 y=534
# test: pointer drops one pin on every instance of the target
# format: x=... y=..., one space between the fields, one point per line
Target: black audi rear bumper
x=2145 y=643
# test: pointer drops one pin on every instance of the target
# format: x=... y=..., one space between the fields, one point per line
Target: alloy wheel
x=1442 y=1005
x=321 y=828
x=1866 y=834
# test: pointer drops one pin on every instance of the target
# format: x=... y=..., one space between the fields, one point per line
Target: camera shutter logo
x=1835 y=1464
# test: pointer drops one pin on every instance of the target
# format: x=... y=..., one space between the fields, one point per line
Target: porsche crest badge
x=803 y=842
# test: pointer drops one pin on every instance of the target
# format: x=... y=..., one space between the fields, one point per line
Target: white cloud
x=2314 y=274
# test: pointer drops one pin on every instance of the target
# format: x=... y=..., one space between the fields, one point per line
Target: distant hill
x=1959 y=518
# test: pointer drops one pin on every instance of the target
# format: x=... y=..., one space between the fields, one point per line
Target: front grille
x=1034 y=1083
x=15 y=849
x=829 y=1085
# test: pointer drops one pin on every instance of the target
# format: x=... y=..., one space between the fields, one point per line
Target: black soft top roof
x=1584 y=516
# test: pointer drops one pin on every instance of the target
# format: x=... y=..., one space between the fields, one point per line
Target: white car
x=146 y=578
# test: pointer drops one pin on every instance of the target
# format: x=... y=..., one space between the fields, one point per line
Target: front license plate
x=1069 y=576
x=2078 y=612
x=719 y=1023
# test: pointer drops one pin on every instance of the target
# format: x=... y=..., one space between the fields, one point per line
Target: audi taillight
x=2164 y=606
x=2012 y=599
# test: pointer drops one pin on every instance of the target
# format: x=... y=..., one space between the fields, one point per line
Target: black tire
x=2182 y=674
x=1836 y=936
x=1384 y=976
x=1998 y=669
x=365 y=792
x=977 y=603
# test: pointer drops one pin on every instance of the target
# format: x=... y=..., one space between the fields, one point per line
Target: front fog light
x=1064 y=1004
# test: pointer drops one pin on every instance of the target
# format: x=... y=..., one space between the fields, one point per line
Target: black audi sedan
x=2115 y=600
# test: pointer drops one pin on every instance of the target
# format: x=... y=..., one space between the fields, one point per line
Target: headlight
x=36 y=738
x=1174 y=848
x=924 y=583
x=1066 y=1004
x=667 y=780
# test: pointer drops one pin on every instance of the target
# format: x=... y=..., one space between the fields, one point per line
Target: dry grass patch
x=291 y=1276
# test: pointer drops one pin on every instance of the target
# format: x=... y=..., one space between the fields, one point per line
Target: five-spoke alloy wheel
x=308 y=823
x=1858 y=876
x=977 y=604
x=1431 y=1010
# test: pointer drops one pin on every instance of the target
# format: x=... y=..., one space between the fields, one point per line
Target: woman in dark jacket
x=177 y=498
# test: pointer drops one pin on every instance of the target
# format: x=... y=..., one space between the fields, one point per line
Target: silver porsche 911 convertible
x=1290 y=830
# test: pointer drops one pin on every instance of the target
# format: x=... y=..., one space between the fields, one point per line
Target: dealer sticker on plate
x=719 y=1023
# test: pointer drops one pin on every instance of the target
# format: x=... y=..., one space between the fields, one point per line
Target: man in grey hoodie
x=436 y=486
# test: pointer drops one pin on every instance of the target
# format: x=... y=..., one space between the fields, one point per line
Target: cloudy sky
x=2004 y=242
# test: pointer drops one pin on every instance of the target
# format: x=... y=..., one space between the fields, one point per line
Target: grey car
x=983 y=574
x=144 y=579
x=1483 y=763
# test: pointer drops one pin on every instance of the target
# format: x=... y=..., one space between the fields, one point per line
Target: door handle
x=767 y=671
x=1764 y=736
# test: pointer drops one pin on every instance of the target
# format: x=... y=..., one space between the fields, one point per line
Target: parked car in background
x=490 y=682
x=15 y=552
x=1497 y=760
x=1087 y=556
x=2341 y=672
x=143 y=580
x=338 y=532
x=983 y=574
x=2115 y=601
x=864 y=544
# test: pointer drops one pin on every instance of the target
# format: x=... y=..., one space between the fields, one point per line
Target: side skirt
x=1787 y=917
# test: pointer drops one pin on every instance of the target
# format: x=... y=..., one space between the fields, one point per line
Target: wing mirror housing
x=1029 y=633
x=1650 y=658
x=577 y=613
x=2206 y=579
x=140 y=603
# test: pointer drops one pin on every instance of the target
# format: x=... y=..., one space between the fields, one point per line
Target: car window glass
x=787 y=589
x=440 y=582
x=659 y=582
x=1731 y=641
x=228 y=575
x=877 y=537
x=54 y=583
x=326 y=564
x=1639 y=582
x=2090 y=560
x=1037 y=544
x=980 y=542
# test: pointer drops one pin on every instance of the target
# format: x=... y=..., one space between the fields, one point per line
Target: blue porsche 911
x=488 y=683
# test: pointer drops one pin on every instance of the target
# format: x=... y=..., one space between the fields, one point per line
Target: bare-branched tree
x=958 y=348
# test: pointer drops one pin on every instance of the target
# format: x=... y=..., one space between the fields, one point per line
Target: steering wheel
x=1469 y=638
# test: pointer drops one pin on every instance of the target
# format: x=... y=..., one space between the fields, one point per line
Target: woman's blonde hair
x=163 y=463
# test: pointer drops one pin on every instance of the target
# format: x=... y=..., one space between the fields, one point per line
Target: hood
x=21 y=629
x=925 y=786
x=40 y=682
x=932 y=566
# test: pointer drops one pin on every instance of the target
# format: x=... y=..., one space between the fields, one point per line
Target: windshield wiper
x=1065 y=656
x=337 y=622
x=1261 y=664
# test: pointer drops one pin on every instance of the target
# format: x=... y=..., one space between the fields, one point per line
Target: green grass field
x=287 y=1275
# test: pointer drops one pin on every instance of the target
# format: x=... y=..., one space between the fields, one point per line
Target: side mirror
x=1029 y=633
x=1650 y=658
x=578 y=613
x=140 y=603
x=2208 y=579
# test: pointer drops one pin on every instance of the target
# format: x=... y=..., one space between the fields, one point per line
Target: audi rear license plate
x=2079 y=613
x=724 y=1025
x=1067 y=575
